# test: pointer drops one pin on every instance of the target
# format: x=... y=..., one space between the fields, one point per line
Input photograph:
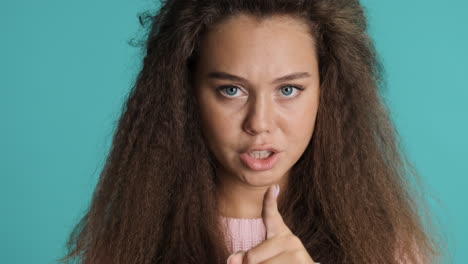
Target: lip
x=260 y=164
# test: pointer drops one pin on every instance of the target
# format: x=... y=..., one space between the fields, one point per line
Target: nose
x=259 y=117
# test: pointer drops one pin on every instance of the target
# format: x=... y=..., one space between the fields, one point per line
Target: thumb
x=272 y=219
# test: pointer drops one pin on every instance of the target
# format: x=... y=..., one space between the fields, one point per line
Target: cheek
x=217 y=125
x=298 y=129
x=300 y=126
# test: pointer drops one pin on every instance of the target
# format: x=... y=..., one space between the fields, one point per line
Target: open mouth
x=260 y=160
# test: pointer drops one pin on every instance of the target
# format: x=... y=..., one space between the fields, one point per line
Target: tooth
x=260 y=154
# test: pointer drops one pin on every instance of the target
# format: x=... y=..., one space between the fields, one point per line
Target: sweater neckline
x=241 y=219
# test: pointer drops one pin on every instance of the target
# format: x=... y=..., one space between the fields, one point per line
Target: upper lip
x=260 y=148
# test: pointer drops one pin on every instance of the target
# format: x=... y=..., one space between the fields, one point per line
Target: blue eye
x=230 y=91
x=290 y=89
x=287 y=90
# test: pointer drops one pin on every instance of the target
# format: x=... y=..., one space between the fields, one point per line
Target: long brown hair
x=351 y=197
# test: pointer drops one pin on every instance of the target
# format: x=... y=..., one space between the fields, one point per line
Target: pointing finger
x=272 y=219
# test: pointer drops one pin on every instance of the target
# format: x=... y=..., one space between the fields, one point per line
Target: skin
x=254 y=110
x=280 y=246
x=258 y=112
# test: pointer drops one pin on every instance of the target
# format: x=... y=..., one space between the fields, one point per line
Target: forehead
x=244 y=43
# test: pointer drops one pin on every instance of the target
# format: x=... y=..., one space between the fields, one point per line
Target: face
x=257 y=84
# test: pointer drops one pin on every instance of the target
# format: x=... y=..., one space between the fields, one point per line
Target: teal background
x=66 y=67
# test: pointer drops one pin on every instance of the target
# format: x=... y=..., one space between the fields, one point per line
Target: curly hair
x=352 y=197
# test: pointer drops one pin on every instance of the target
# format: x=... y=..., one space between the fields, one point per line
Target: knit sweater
x=246 y=233
x=243 y=233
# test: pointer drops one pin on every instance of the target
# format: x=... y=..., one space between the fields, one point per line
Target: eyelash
x=297 y=87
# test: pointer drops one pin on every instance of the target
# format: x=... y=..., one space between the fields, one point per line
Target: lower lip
x=260 y=164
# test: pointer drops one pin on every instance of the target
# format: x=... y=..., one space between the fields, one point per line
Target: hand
x=281 y=245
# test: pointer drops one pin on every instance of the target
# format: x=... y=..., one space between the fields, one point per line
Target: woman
x=234 y=98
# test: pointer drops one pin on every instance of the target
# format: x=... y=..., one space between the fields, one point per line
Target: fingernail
x=277 y=190
x=232 y=255
x=229 y=258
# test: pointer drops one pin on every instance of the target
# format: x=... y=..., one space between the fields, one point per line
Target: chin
x=260 y=178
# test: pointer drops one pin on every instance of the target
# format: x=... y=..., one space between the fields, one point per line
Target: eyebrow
x=230 y=77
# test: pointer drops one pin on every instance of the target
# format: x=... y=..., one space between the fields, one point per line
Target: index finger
x=272 y=218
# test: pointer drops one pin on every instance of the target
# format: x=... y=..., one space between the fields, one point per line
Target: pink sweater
x=246 y=233
x=243 y=233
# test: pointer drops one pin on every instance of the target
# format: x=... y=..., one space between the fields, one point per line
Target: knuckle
x=293 y=241
x=298 y=256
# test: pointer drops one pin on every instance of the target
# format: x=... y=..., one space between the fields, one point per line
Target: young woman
x=237 y=97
